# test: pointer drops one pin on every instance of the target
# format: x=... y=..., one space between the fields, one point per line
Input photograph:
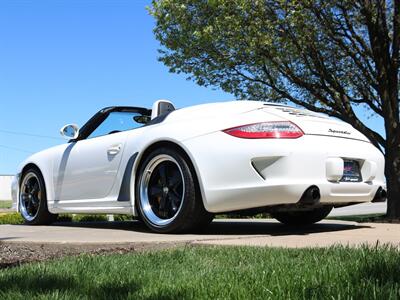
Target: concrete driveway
x=220 y=232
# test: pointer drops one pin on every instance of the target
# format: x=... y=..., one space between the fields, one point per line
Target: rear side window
x=116 y=122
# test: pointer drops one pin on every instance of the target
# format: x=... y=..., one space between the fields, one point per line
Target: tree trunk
x=392 y=172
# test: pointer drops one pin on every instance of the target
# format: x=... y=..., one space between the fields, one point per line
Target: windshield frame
x=95 y=121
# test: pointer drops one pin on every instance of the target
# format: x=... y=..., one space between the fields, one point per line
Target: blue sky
x=61 y=61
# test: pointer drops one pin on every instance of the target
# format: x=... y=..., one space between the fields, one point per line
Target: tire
x=302 y=217
x=33 y=200
x=167 y=194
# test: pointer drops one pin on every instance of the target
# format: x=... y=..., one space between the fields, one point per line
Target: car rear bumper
x=240 y=174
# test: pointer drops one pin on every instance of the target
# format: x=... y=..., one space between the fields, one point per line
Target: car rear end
x=278 y=155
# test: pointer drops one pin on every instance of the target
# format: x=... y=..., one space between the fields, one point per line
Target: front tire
x=167 y=197
x=33 y=200
x=300 y=218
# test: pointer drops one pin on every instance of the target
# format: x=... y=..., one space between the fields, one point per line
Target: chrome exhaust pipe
x=310 y=196
x=380 y=195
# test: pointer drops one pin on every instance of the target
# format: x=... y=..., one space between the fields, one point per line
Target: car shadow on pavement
x=275 y=229
x=231 y=227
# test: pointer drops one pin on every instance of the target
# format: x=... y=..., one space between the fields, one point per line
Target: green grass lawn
x=212 y=273
x=362 y=218
x=5 y=204
x=14 y=218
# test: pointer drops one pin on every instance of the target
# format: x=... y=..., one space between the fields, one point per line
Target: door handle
x=114 y=150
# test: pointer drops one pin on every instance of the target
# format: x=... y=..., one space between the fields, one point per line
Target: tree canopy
x=327 y=56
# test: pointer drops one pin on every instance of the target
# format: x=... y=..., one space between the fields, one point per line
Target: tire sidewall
x=188 y=205
x=43 y=216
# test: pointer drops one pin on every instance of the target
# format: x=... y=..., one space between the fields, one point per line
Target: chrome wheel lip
x=23 y=209
x=145 y=205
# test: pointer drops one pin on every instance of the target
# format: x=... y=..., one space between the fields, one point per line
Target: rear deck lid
x=316 y=124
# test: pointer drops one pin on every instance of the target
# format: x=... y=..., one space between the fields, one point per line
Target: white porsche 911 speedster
x=174 y=169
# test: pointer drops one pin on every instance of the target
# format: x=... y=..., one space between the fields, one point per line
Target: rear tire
x=302 y=217
x=33 y=199
x=166 y=194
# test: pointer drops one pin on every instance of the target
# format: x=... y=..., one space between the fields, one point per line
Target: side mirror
x=70 y=131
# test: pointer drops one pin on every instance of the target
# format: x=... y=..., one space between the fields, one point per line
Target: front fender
x=15 y=191
x=44 y=162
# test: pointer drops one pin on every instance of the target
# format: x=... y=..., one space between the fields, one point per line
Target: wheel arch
x=181 y=150
x=30 y=166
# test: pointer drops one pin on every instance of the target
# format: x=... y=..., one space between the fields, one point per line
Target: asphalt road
x=220 y=232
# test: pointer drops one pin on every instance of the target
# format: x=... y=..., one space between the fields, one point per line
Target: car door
x=88 y=167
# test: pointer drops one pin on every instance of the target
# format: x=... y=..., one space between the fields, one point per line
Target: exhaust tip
x=314 y=193
x=380 y=196
x=310 y=196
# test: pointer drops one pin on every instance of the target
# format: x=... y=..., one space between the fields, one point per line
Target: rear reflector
x=266 y=130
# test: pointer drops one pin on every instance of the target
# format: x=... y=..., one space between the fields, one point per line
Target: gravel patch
x=15 y=254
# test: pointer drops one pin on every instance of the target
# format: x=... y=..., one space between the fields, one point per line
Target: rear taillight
x=266 y=130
